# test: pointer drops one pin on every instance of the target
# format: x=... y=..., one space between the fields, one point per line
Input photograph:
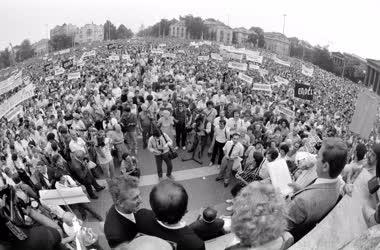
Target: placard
x=49 y=78
x=67 y=64
x=253 y=66
x=261 y=87
x=75 y=75
x=282 y=62
x=59 y=71
x=168 y=55
x=216 y=56
x=245 y=78
x=203 y=58
x=64 y=51
x=114 y=58
x=303 y=91
x=286 y=111
x=238 y=66
x=281 y=80
x=237 y=57
x=126 y=57
x=111 y=46
x=254 y=58
x=280 y=175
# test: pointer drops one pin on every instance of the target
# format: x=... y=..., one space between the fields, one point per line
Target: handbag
x=172 y=153
x=373 y=185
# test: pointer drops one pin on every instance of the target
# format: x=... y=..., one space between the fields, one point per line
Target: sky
x=345 y=25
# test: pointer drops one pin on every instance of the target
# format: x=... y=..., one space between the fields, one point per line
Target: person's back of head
x=209 y=214
x=272 y=153
x=361 y=150
x=145 y=242
x=334 y=152
x=168 y=200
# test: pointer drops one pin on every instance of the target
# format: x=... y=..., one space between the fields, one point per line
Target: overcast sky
x=345 y=25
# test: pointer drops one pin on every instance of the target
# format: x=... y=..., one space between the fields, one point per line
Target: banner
x=279 y=61
x=252 y=53
x=157 y=51
x=63 y=196
x=253 y=66
x=245 y=78
x=216 y=56
x=22 y=95
x=114 y=58
x=67 y=64
x=261 y=87
x=14 y=113
x=255 y=58
x=365 y=114
x=181 y=51
x=281 y=80
x=263 y=72
x=238 y=66
x=89 y=53
x=203 y=58
x=162 y=45
x=64 y=51
x=237 y=57
x=59 y=71
x=111 y=46
x=303 y=91
x=168 y=55
x=287 y=112
x=49 y=78
x=11 y=83
x=126 y=57
x=307 y=71
x=75 y=75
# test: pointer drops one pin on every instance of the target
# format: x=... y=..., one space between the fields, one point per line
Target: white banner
x=14 y=113
x=261 y=87
x=59 y=71
x=89 y=53
x=245 y=78
x=252 y=53
x=114 y=58
x=234 y=56
x=279 y=61
x=49 y=78
x=203 y=58
x=126 y=57
x=281 y=80
x=181 y=51
x=157 y=51
x=75 y=75
x=263 y=72
x=22 y=95
x=162 y=45
x=216 y=56
x=11 y=83
x=253 y=66
x=255 y=58
x=168 y=55
x=238 y=66
x=307 y=71
x=286 y=111
x=64 y=51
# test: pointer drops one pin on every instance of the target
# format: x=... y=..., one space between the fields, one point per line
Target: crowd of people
x=75 y=131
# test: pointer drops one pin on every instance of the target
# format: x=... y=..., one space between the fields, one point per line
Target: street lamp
x=283 y=26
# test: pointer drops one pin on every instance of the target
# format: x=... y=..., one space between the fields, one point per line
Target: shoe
x=229 y=209
x=184 y=148
x=211 y=164
x=94 y=197
x=226 y=184
x=100 y=188
x=218 y=178
x=229 y=201
x=170 y=177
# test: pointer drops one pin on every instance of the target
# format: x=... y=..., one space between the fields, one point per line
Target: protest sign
x=11 y=83
x=22 y=95
x=253 y=66
x=111 y=46
x=252 y=53
x=245 y=78
x=114 y=58
x=162 y=45
x=261 y=87
x=279 y=61
x=49 y=78
x=203 y=58
x=126 y=57
x=286 y=111
x=281 y=80
x=280 y=176
x=168 y=55
x=263 y=72
x=181 y=51
x=216 y=56
x=157 y=51
x=75 y=75
x=238 y=66
x=365 y=114
x=254 y=58
x=63 y=196
x=307 y=71
x=59 y=71
x=65 y=51
x=237 y=57
x=48 y=66
x=14 y=113
x=303 y=91
x=67 y=64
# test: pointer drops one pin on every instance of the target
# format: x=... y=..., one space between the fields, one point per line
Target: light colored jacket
x=159 y=146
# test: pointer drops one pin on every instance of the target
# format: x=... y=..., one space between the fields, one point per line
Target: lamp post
x=283 y=26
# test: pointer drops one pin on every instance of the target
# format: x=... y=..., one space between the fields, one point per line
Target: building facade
x=41 y=47
x=241 y=35
x=65 y=29
x=89 y=33
x=219 y=32
x=277 y=42
x=372 y=77
x=178 y=30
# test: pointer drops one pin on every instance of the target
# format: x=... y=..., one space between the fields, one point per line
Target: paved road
x=199 y=181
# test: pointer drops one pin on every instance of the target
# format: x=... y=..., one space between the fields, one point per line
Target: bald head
x=168 y=200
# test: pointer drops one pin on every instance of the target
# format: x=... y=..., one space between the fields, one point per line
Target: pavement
x=198 y=180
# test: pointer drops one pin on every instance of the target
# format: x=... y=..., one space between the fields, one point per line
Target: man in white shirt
x=221 y=136
x=235 y=123
x=233 y=151
x=219 y=99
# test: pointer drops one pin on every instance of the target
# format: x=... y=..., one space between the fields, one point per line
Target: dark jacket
x=208 y=231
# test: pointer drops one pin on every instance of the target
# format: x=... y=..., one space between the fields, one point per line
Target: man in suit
x=119 y=225
x=208 y=227
x=309 y=205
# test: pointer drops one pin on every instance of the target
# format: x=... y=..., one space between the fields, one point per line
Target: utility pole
x=283 y=26
x=344 y=67
x=109 y=30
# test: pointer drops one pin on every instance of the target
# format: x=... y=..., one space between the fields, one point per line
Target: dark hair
x=127 y=109
x=284 y=147
x=149 y=97
x=54 y=146
x=100 y=141
x=235 y=190
x=209 y=103
x=376 y=150
x=273 y=153
x=335 y=154
x=223 y=121
x=361 y=150
x=156 y=133
x=124 y=155
x=168 y=200
x=277 y=129
x=258 y=157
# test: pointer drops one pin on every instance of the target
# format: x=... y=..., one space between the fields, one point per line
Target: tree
x=110 y=32
x=60 y=42
x=323 y=59
x=123 y=32
x=260 y=32
x=5 y=60
x=253 y=38
x=196 y=27
x=25 y=51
